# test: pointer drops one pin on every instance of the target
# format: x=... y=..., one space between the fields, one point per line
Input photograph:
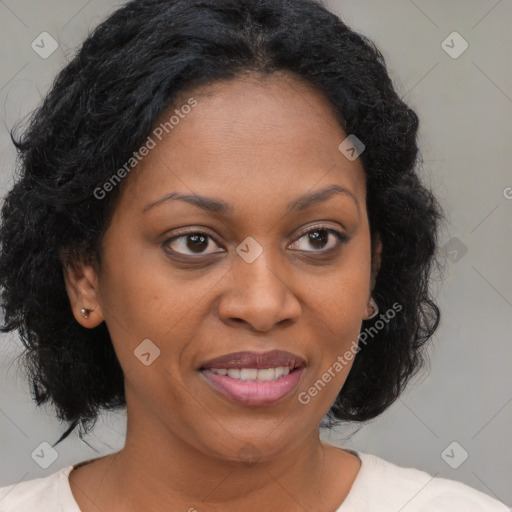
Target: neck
x=163 y=468
x=176 y=473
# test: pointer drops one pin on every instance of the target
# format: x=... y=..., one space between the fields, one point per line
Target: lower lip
x=254 y=392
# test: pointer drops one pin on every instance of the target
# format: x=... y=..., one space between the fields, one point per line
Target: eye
x=322 y=238
x=190 y=243
x=194 y=241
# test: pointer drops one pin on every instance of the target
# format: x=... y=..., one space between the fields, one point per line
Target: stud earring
x=85 y=312
x=374 y=309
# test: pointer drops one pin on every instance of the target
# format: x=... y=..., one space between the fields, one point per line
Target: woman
x=218 y=225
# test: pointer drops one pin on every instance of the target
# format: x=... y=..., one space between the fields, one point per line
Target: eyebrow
x=214 y=205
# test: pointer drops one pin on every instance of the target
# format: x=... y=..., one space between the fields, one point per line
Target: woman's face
x=246 y=277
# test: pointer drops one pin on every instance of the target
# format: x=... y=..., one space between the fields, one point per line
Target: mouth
x=251 y=378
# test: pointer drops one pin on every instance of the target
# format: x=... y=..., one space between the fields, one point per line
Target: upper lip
x=248 y=359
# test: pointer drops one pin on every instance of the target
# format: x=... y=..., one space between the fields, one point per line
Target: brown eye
x=194 y=243
x=321 y=238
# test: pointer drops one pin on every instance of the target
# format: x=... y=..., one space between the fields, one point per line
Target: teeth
x=263 y=374
x=248 y=374
x=267 y=374
x=282 y=371
x=234 y=373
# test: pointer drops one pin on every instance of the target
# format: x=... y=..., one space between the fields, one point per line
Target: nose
x=260 y=295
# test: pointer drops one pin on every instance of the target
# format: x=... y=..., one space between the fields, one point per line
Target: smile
x=254 y=387
x=245 y=374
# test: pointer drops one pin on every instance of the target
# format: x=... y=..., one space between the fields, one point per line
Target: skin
x=256 y=143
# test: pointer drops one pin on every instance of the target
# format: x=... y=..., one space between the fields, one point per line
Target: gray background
x=465 y=107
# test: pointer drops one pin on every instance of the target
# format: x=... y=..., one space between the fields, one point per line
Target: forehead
x=271 y=137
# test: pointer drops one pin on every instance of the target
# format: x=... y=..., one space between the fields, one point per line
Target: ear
x=81 y=282
x=376 y=258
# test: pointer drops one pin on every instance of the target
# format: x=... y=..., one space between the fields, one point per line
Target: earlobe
x=82 y=288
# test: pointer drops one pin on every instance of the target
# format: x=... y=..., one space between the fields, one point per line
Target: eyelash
x=341 y=237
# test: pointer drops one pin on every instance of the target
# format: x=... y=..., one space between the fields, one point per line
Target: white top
x=380 y=486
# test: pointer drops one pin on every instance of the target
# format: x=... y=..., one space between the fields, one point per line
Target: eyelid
x=318 y=226
x=207 y=231
x=193 y=230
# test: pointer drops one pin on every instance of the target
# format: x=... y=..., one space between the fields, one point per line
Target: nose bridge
x=256 y=269
x=259 y=295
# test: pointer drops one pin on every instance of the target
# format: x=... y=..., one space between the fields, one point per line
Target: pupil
x=315 y=237
x=197 y=240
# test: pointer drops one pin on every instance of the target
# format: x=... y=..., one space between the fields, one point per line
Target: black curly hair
x=105 y=103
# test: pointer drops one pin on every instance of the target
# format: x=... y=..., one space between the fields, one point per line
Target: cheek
x=143 y=297
x=343 y=292
x=338 y=304
x=336 y=325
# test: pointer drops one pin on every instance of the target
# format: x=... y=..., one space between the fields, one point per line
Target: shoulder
x=409 y=489
x=42 y=494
